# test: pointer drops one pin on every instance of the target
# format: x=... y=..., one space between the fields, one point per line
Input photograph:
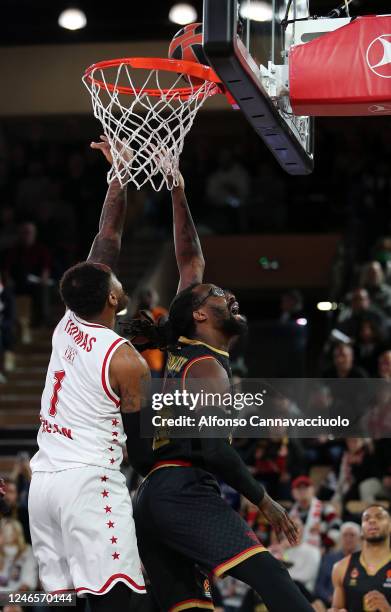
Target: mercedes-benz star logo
x=379 y=56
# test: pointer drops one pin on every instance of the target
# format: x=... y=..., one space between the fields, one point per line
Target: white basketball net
x=146 y=133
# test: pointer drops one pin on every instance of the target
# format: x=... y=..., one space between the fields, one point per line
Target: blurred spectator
x=18 y=568
x=148 y=300
x=384 y=491
x=384 y=365
x=372 y=278
x=360 y=306
x=349 y=542
x=27 y=266
x=370 y=342
x=343 y=363
x=358 y=464
x=14 y=509
x=320 y=519
x=382 y=254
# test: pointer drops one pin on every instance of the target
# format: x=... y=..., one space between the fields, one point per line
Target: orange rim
x=194 y=69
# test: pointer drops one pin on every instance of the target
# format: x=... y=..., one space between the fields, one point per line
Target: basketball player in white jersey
x=81 y=520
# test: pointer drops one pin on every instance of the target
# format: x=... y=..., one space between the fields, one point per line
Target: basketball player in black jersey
x=184 y=527
x=362 y=581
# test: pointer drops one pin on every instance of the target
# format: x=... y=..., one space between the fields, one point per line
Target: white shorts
x=83 y=532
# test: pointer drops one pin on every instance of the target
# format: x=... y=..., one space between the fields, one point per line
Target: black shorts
x=186 y=531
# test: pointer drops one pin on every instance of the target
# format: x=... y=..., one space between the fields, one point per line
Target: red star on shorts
x=105 y=493
x=115 y=555
x=104 y=478
x=108 y=509
x=114 y=540
x=110 y=524
x=111 y=449
x=112 y=461
x=114 y=422
x=114 y=433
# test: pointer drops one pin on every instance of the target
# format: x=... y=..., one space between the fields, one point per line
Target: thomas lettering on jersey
x=79 y=337
x=56 y=429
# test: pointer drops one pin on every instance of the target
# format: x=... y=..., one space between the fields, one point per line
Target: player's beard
x=230 y=324
x=378 y=539
x=123 y=302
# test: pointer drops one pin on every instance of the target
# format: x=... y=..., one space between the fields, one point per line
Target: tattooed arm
x=107 y=243
x=188 y=251
x=131 y=379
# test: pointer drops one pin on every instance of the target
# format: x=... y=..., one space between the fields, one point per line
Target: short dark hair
x=377 y=505
x=84 y=288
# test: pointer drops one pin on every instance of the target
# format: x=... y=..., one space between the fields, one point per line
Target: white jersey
x=81 y=423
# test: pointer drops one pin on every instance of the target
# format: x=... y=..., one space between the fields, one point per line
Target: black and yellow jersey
x=180 y=359
x=358 y=582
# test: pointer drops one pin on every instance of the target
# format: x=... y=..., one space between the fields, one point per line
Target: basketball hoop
x=146 y=113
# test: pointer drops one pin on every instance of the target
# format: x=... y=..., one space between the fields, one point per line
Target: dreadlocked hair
x=147 y=333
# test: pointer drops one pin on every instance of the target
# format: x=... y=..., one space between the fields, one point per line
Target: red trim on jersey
x=124 y=577
x=88 y=324
x=192 y=361
x=174 y=462
x=104 y=381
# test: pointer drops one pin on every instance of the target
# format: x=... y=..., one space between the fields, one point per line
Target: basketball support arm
x=241 y=76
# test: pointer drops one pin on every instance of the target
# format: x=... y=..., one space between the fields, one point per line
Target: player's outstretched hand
x=2 y=487
x=279 y=519
x=122 y=148
x=103 y=146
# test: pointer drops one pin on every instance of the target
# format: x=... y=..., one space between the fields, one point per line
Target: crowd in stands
x=49 y=204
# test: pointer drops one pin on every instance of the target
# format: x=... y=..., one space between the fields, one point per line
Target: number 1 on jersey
x=58 y=378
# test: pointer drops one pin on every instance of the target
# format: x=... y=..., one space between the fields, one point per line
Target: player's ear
x=112 y=299
x=199 y=316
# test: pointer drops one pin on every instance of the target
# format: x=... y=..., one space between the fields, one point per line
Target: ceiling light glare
x=256 y=11
x=182 y=13
x=72 y=19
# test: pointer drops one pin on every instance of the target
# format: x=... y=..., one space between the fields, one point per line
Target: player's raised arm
x=107 y=243
x=188 y=251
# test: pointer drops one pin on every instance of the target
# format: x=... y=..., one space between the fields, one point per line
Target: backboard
x=247 y=47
